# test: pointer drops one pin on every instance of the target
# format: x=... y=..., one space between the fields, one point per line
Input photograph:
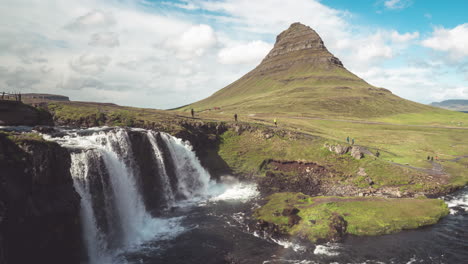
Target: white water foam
x=329 y=249
x=459 y=201
x=230 y=188
x=412 y=260
x=281 y=242
x=304 y=261
x=289 y=244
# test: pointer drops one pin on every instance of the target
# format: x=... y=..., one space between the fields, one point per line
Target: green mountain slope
x=300 y=76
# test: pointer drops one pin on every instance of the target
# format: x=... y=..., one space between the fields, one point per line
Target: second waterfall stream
x=127 y=178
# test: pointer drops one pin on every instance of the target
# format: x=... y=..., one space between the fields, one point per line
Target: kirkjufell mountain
x=299 y=75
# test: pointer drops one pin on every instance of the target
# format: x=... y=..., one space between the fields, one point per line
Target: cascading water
x=169 y=194
x=114 y=215
x=194 y=180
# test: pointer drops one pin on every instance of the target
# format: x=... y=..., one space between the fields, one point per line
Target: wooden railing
x=10 y=96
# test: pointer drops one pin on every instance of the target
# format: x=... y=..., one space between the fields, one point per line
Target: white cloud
x=397 y=4
x=371 y=49
x=423 y=83
x=93 y=20
x=193 y=42
x=453 y=41
x=397 y=37
x=451 y=93
x=21 y=78
x=245 y=53
x=414 y=83
x=90 y=64
x=105 y=39
x=184 y=5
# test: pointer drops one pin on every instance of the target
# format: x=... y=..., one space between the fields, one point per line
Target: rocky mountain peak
x=300 y=44
x=297 y=37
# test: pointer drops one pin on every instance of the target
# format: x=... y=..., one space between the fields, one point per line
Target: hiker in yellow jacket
x=276 y=124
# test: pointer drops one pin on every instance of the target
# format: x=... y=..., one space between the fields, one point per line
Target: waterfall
x=95 y=242
x=107 y=176
x=194 y=180
x=169 y=194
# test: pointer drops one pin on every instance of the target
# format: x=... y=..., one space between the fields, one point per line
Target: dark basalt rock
x=269 y=229
x=148 y=170
x=290 y=211
x=205 y=140
x=39 y=208
x=45 y=129
x=307 y=177
x=294 y=220
x=14 y=113
x=337 y=227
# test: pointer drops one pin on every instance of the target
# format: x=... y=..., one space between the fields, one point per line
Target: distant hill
x=38 y=98
x=300 y=76
x=453 y=104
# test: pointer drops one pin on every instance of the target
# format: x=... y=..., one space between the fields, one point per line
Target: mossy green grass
x=363 y=216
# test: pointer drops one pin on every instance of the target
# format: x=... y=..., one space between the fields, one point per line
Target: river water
x=215 y=231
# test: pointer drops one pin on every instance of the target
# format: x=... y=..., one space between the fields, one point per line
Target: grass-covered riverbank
x=331 y=218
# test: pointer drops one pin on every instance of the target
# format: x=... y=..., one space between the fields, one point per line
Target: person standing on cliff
x=347 y=140
x=235 y=117
x=192 y=112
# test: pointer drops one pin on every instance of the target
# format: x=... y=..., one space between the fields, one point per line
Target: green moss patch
x=23 y=137
x=362 y=216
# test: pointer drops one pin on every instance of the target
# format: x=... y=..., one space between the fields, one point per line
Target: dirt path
x=437 y=169
x=457 y=158
x=320 y=201
x=373 y=122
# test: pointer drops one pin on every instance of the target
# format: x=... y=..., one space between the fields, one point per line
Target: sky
x=165 y=54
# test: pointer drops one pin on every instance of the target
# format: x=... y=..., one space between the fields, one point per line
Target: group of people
x=352 y=140
x=192 y=112
x=8 y=96
x=431 y=158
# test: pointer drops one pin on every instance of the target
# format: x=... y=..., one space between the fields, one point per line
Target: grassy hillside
x=402 y=164
x=309 y=92
x=100 y=114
